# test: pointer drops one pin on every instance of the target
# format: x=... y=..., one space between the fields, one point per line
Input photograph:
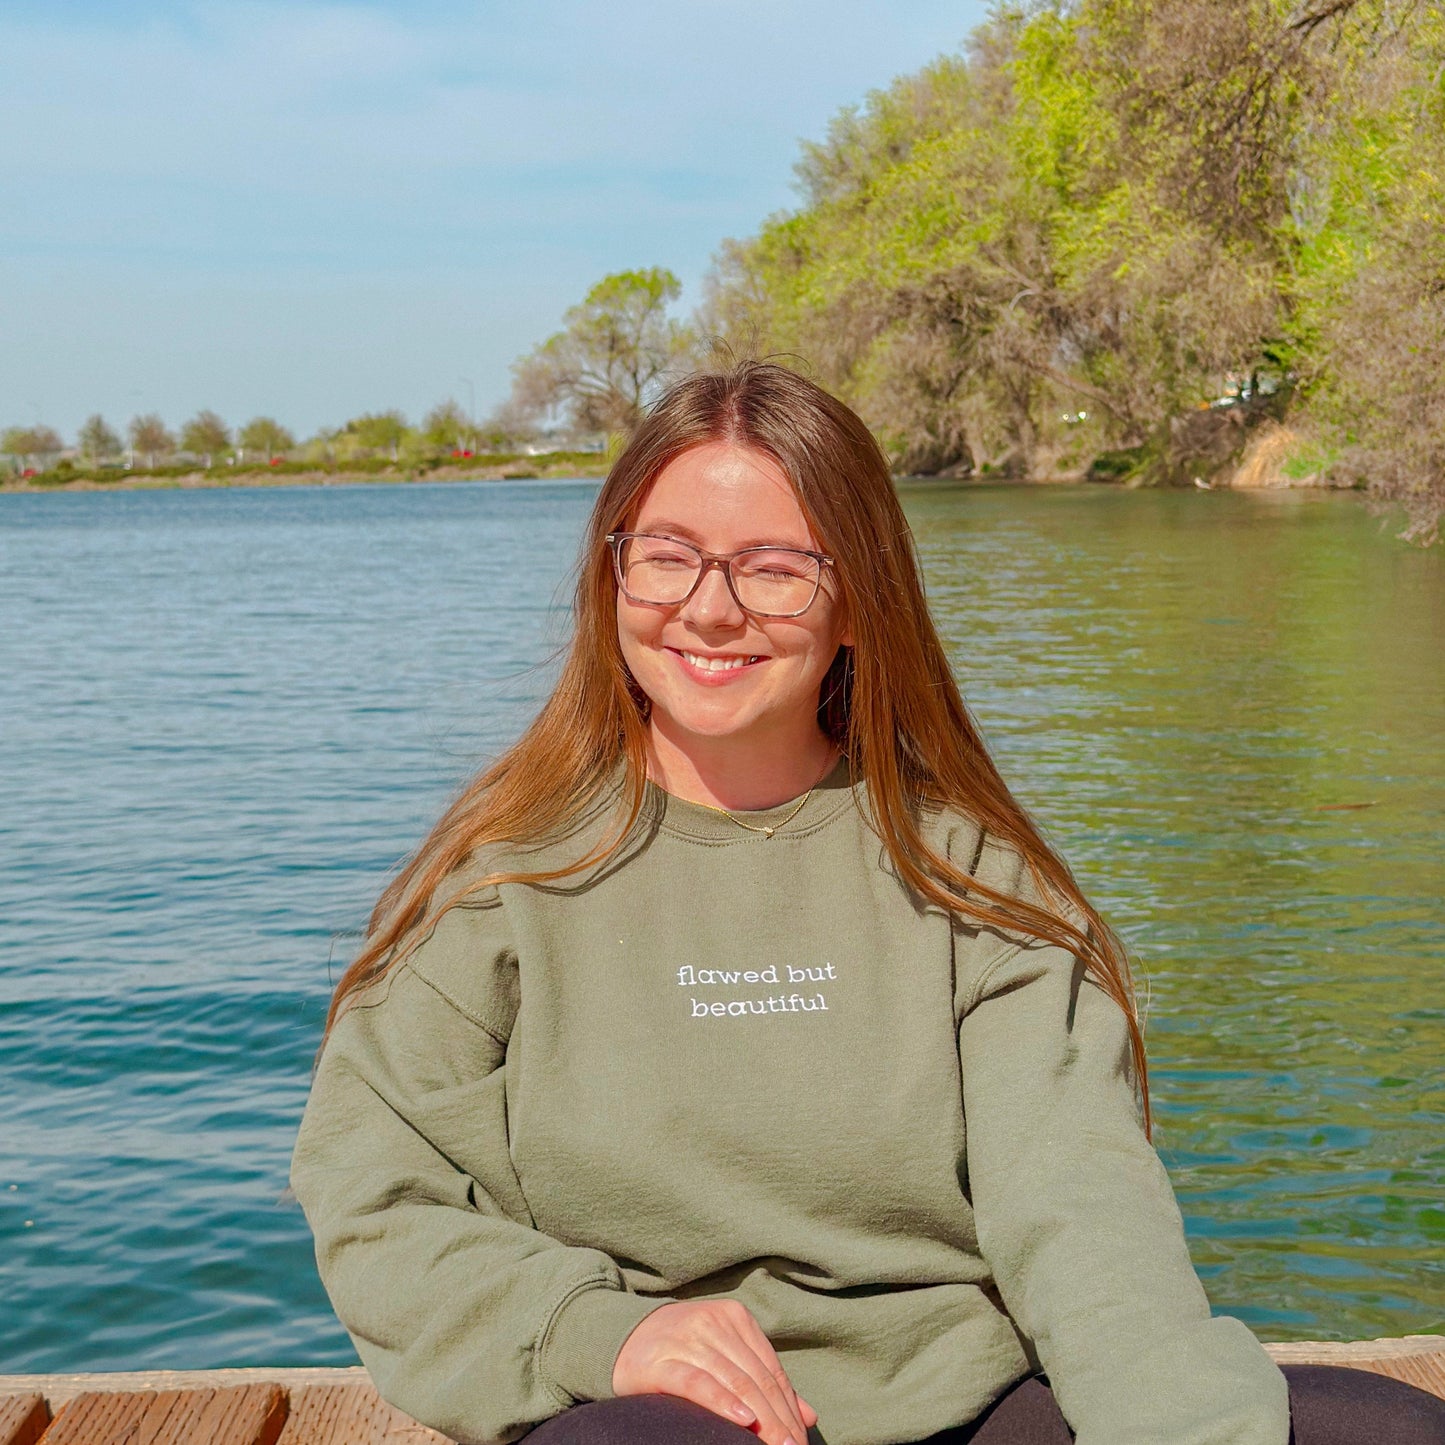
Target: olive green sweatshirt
x=728 y=1065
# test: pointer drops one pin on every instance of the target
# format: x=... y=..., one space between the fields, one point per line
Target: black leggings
x=1328 y=1405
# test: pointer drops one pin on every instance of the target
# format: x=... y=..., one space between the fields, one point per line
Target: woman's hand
x=714 y=1353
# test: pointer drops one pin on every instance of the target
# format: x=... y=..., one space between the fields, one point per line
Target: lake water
x=226 y=715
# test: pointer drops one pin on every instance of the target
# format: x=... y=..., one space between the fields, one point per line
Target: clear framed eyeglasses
x=766 y=581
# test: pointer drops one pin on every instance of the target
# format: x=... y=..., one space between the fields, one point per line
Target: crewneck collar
x=832 y=796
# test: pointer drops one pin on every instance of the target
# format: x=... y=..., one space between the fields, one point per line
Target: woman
x=735 y=1055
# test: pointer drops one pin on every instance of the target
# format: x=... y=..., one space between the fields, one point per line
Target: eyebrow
x=685 y=533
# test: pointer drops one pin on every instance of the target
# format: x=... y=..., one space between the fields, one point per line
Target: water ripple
x=226 y=715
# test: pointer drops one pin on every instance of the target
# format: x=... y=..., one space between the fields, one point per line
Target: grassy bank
x=1274 y=458
x=486 y=468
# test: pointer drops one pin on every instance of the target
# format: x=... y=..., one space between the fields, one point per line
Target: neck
x=722 y=773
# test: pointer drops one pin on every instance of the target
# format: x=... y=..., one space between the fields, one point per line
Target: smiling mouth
x=715 y=664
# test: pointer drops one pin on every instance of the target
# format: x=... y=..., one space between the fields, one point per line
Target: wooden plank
x=1426 y=1372
x=1339 y=1352
x=351 y=1414
x=1418 y=1360
x=23 y=1419
x=245 y=1415
x=236 y=1415
x=60 y=1388
x=100 y=1419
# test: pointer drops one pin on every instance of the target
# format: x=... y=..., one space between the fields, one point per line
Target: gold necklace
x=768 y=832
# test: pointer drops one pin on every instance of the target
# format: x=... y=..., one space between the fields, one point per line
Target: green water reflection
x=1184 y=688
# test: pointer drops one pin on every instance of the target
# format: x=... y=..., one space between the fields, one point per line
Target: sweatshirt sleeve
x=468 y=1318
x=1079 y=1226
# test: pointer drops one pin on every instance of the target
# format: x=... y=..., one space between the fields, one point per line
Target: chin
x=702 y=724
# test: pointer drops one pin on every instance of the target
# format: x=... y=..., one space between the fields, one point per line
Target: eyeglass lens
x=662 y=571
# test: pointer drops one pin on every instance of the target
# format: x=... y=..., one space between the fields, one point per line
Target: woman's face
x=712 y=670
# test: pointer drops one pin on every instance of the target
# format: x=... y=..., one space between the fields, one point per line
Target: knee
x=631 y=1419
x=1336 y=1405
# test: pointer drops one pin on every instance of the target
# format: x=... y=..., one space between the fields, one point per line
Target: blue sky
x=314 y=210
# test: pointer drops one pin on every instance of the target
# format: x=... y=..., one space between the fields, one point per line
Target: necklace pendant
x=768 y=832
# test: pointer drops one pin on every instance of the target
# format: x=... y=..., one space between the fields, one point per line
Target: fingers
x=762 y=1363
x=748 y=1381
x=727 y=1391
x=716 y=1354
x=703 y=1387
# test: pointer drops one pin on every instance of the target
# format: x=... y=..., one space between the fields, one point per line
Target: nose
x=713 y=604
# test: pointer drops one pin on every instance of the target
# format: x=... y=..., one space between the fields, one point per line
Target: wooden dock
x=340 y=1407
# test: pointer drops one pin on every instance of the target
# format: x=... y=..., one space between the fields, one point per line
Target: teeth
x=718 y=664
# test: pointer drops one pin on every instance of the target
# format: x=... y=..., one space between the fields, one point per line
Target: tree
x=989 y=246
x=149 y=437
x=205 y=435
x=613 y=355
x=379 y=431
x=447 y=427
x=1368 y=278
x=32 y=444
x=97 y=440
x=1109 y=214
x=321 y=448
x=508 y=427
x=264 y=435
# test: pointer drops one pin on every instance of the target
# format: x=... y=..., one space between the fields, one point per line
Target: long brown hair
x=889 y=702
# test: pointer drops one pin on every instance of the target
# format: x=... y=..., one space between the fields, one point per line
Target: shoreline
x=569 y=466
x=508 y=471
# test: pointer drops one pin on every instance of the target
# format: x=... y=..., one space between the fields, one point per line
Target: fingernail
x=742 y=1412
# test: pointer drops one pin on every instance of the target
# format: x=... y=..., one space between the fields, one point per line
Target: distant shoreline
x=201 y=481
x=549 y=466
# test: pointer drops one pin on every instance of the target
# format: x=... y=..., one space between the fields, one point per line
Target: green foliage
x=150 y=438
x=616 y=350
x=97 y=441
x=374 y=432
x=264 y=436
x=1310 y=457
x=1117 y=466
x=448 y=428
x=205 y=435
x=32 y=446
x=1368 y=283
x=1128 y=208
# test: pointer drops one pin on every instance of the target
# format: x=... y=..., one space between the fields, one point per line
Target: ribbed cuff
x=581 y=1345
